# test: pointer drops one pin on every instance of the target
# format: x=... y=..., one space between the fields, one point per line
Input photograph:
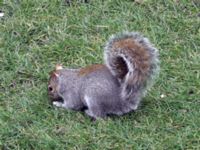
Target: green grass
x=35 y=35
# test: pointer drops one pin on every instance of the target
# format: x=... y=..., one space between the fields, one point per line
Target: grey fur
x=101 y=91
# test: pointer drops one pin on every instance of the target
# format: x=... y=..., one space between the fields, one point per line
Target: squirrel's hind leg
x=94 y=109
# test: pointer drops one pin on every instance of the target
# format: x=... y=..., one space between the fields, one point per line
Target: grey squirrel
x=116 y=87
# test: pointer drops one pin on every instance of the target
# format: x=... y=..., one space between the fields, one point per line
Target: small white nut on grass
x=162 y=96
x=139 y=1
x=1 y=14
x=59 y=67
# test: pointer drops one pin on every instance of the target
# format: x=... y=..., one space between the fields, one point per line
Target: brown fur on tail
x=140 y=58
x=133 y=60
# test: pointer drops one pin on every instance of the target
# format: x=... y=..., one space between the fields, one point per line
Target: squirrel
x=113 y=88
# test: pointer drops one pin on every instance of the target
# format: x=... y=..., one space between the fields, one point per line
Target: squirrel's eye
x=50 y=88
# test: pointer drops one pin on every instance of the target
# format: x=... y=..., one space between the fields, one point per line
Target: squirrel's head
x=53 y=84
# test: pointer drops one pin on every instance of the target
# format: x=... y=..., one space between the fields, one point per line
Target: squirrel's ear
x=56 y=74
x=59 y=67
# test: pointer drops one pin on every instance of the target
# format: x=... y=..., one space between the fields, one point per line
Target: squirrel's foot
x=94 y=115
x=135 y=107
x=58 y=104
x=89 y=113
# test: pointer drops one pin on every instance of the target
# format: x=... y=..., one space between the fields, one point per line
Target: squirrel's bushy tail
x=134 y=61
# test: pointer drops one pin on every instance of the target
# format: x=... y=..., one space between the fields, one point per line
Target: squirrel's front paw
x=57 y=104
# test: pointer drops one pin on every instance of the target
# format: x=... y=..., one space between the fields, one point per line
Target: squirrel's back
x=134 y=61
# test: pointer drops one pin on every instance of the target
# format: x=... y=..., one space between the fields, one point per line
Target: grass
x=35 y=35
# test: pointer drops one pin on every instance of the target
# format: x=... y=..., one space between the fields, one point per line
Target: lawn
x=35 y=35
